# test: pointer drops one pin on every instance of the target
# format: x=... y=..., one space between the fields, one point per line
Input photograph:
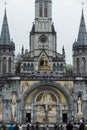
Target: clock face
x=43 y=39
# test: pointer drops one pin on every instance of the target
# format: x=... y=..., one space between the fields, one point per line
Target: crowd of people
x=68 y=126
x=76 y=126
x=11 y=127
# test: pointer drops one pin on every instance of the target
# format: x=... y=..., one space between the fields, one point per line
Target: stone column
x=1 y=64
x=32 y=112
x=7 y=65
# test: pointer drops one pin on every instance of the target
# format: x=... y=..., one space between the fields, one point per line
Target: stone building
x=43 y=91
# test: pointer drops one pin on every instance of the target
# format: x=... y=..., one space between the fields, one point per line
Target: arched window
x=24 y=67
x=4 y=65
x=84 y=65
x=61 y=67
x=54 y=67
x=9 y=65
x=32 y=67
x=58 y=67
x=40 y=9
x=28 y=67
x=77 y=67
x=45 y=8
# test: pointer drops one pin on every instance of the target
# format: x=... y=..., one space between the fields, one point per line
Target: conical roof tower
x=80 y=48
x=7 y=48
x=5 y=35
x=82 y=34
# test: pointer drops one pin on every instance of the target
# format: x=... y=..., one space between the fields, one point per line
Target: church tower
x=80 y=68
x=43 y=34
x=7 y=48
x=43 y=53
x=80 y=49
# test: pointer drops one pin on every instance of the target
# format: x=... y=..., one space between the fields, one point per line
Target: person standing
x=69 y=126
x=16 y=127
x=55 y=127
x=3 y=126
x=11 y=127
x=28 y=126
x=81 y=126
x=20 y=127
x=61 y=127
x=47 y=128
x=37 y=127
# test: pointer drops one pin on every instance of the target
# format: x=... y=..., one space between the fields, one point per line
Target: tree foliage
x=17 y=67
x=17 y=63
x=69 y=69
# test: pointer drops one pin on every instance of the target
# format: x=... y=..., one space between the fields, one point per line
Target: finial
x=22 y=49
x=82 y=4
x=63 y=51
x=5 y=4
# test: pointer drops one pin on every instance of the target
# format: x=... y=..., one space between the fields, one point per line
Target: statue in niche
x=0 y=105
x=79 y=105
x=0 y=109
x=13 y=104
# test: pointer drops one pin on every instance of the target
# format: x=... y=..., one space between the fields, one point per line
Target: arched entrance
x=47 y=103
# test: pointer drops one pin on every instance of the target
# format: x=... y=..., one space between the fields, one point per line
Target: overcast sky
x=66 y=17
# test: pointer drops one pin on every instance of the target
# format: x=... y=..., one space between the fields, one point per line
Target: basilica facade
x=43 y=91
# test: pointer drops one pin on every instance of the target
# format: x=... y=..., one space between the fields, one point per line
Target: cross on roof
x=5 y=4
x=82 y=4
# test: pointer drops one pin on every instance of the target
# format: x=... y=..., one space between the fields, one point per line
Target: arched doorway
x=47 y=103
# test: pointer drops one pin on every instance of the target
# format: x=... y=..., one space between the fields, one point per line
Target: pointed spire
x=22 y=50
x=5 y=35
x=82 y=35
x=63 y=51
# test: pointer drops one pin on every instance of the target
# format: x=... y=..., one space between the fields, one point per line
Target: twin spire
x=82 y=35
x=5 y=35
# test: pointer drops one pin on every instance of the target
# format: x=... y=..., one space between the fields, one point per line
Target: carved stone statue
x=79 y=105
x=46 y=97
x=13 y=107
x=0 y=109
